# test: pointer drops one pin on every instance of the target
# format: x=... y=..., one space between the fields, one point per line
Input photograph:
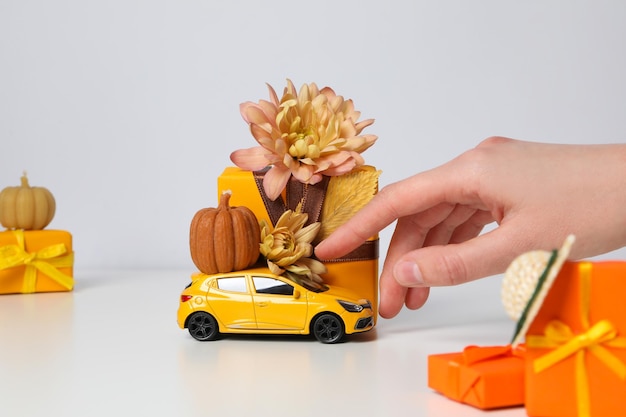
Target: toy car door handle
x=262 y=304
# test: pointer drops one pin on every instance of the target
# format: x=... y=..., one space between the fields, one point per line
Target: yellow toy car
x=257 y=301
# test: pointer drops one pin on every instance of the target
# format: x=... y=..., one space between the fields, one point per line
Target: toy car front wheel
x=328 y=328
x=202 y=326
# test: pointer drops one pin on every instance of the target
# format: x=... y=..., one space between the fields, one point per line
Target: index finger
x=411 y=195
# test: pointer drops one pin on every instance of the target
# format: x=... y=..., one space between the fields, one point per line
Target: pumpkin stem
x=225 y=199
x=24 y=180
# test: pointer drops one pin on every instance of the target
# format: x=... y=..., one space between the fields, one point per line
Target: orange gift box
x=357 y=271
x=36 y=261
x=576 y=345
x=484 y=377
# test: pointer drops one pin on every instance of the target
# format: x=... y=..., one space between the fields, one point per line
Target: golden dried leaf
x=347 y=194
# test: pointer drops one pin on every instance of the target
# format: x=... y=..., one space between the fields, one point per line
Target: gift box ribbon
x=472 y=355
x=559 y=337
x=46 y=260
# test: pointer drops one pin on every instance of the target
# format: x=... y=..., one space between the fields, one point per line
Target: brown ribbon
x=366 y=252
x=310 y=195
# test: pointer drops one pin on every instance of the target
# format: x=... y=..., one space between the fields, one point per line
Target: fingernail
x=408 y=274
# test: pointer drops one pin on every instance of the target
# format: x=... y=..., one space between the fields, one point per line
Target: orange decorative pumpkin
x=225 y=238
x=26 y=207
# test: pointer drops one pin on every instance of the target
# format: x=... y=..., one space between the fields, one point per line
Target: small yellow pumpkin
x=26 y=207
x=225 y=238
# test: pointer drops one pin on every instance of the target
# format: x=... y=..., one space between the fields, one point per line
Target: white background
x=128 y=110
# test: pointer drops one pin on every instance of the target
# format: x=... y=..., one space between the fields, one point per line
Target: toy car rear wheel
x=202 y=326
x=328 y=328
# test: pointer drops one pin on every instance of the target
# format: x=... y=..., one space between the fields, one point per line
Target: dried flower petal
x=287 y=248
x=305 y=134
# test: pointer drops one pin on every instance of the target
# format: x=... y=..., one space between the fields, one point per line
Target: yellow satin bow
x=46 y=260
x=559 y=337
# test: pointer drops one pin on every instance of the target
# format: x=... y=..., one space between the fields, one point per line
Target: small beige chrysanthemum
x=306 y=134
x=287 y=248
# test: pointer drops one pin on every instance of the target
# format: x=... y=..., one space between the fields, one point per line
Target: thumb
x=453 y=264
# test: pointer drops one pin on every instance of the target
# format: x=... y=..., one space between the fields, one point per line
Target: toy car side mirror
x=296 y=294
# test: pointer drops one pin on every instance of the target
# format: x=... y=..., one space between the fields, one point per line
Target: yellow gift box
x=36 y=261
x=357 y=271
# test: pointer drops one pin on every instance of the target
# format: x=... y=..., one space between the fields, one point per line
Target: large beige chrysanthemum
x=287 y=248
x=306 y=134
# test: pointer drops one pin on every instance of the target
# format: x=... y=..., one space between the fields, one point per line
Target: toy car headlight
x=351 y=307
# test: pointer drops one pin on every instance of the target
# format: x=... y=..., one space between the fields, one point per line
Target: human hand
x=537 y=194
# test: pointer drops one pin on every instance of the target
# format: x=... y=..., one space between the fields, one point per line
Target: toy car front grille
x=364 y=323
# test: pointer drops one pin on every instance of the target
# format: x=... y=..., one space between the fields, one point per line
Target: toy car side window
x=233 y=284
x=265 y=285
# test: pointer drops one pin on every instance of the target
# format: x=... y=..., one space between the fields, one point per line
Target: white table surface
x=112 y=348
